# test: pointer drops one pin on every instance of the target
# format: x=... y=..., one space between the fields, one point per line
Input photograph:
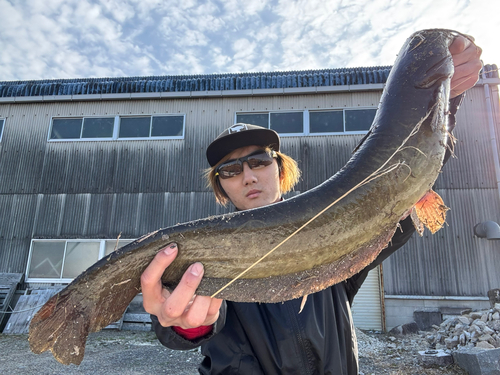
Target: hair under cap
x=241 y=135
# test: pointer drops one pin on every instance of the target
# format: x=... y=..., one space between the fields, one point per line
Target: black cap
x=241 y=135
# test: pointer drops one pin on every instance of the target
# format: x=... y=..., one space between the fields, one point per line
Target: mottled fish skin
x=409 y=134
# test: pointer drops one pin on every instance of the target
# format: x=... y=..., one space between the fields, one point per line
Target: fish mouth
x=436 y=74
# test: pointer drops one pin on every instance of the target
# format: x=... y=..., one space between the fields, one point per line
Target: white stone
x=464 y=320
x=495 y=325
x=462 y=339
x=475 y=315
x=485 y=338
x=451 y=342
x=484 y=345
x=479 y=323
x=435 y=358
x=488 y=330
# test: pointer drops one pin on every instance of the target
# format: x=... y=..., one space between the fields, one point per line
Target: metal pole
x=491 y=125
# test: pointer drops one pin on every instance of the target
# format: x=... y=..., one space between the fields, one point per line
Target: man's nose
x=248 y=174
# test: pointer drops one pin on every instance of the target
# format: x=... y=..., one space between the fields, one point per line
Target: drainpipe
x=491 y=125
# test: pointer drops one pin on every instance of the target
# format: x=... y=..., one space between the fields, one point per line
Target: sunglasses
x=233 y=168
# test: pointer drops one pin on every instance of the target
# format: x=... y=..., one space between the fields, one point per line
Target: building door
x=367 y=307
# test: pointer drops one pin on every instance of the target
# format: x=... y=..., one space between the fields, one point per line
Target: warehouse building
x=87 y=165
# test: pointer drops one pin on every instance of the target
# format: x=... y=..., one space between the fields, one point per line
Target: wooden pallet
x=27 y=307
x=8 y=286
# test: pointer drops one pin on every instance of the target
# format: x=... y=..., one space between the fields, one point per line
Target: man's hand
x=181 y=308
x=467 y=61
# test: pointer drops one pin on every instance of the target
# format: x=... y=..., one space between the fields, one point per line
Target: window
x=2 y=122
x=359 y=120
x=287 y=122
x=151 y=126
x=95 y=127
x=341 y=121
x=134 y=127
x=326 y=122
x=63 y=260
x=81 y=128
x=260 y=119
x=317 y=122
x=117 y=127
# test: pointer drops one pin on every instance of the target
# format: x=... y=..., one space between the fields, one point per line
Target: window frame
x=61 y=280
x=306 y=122
x=116 y=128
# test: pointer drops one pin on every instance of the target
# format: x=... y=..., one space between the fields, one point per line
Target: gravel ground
x=107 y=352
x=381 y=353
x=127 y=352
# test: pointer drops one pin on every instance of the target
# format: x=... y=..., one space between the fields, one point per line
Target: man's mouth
x=253 y=193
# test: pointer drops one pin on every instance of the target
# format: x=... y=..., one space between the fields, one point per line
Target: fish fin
x=362 y=141
x=429 y=211
x=419 y=226
x=64 y=322
x=303 y=303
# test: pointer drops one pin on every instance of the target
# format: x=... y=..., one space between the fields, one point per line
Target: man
x=249 y=170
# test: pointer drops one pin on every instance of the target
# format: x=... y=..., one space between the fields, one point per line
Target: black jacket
x=254 y=338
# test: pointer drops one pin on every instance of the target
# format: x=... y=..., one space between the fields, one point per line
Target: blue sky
x=45 y=39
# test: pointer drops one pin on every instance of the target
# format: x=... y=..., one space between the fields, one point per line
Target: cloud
x=90 y=38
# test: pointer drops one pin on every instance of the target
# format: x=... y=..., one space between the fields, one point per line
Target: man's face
x=252 y=188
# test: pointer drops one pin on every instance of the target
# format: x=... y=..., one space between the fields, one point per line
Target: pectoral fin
x=430 y=212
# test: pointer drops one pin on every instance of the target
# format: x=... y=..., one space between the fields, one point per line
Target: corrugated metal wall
x=101 y=189
x=454 y=262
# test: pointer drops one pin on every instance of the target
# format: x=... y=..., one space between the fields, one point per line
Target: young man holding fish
x=249 y=170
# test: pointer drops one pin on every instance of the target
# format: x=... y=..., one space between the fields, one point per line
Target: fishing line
x=382 y=170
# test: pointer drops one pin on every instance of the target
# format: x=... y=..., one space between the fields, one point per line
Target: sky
x=52 y=39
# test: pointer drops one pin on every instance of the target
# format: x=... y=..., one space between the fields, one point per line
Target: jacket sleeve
x=406 y=229
x=169 y=338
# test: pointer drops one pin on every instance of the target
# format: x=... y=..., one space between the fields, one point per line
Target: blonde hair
x=288 y=169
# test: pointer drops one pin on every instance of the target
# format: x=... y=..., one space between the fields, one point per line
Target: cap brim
x=224 y=145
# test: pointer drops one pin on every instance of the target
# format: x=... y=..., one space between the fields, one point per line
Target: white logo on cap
x=237 y=128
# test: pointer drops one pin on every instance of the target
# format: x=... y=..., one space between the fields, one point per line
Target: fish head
x=431 y=62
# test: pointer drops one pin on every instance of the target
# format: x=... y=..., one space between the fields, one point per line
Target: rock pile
x=472 y=329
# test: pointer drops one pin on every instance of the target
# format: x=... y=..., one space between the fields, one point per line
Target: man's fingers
x=198 y=312
x=464 y=50
x=204 y=311
x=153 y=293
x=466 y=59
x=459 y=44
x=179 y=299
x=214 y=309
x=152 y=274
x=180 y=307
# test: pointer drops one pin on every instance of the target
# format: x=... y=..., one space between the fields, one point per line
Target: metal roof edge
x=197 y=94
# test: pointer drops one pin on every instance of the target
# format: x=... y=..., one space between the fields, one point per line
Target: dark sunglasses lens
x=235 y=167
x=259 y=160
x=230 y=169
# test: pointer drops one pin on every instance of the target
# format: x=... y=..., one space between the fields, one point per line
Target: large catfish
x=318 y=238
